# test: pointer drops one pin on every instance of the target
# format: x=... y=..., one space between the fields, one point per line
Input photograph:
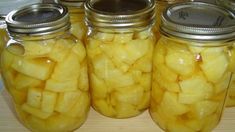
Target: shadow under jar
x=191 y=64
x=45 y=69
x=230 y=5
x=119 y=47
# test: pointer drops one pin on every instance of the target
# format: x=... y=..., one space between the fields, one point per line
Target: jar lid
x=197 y=20
x=38 y=19
x=8 y=5
x=72 y=3
x=229 y=4
x=119 y=14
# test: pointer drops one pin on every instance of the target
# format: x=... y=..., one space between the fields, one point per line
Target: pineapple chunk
x=231 y=66
x=7 y=59
x=126 y=110
x=35 y=123
x=18 y=96
x=106 y=37
x=205 y=108
x=60 y=50
x=157 y=92
x=166 y=73
x=159 y=53
x=83 y=82
x=23 y=81
x=123 y=38
x=195 y=124
x=20 y=113
x=62 y=123
x=178 y=127
x=79 y=50
x=38 y=48
x=48 y=101
x=104 y=108
x=144 y=104
x=61 y=86
x=211 y=58
x=67 y=69
x=224 y=83
x=197 y=89
x=144 y=64
x=93 y=48
x=131 y=95
x=210 y=122
x=35 y=112
x=145 y=81
x=98 y=87
x=67 y=100
x=34 y=97
x=171 y=105
x=81 y=107
x=37 y=68
x=80 y=34
x=143 y=34
x=181 y=62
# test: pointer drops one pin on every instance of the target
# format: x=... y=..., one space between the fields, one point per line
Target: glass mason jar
x=230 y=5
x=119 y=47
x=191 y=64
x=161 y=5
x=76 y=12
x=45 y=69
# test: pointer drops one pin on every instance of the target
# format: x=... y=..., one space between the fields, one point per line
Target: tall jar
x=119 y=47
x=161 y=5
x=191 y=64
x=45 y=69
x=230 y=5
x=76 y=12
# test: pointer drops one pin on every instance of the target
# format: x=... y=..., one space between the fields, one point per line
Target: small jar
x=230 y=5
x=119 y=47
x=45 y=69
x=191 y=64
x=76 y=12
x=161 y=5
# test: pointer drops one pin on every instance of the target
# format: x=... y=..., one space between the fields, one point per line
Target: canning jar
x=45 y=69
x=230 y=5
x=191 y=67
x=161 y=5
x=76 y=12
x=119 y=47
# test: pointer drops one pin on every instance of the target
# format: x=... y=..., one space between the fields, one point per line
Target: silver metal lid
x=38 y=19
x=119 y=14
x=229 y=4
x=72 y=3
x=199 y=21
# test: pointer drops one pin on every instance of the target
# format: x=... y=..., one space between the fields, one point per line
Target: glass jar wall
x=191 y=72
x=120 y=57
x=46 y=72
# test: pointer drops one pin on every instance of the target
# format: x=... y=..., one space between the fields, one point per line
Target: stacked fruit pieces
x=78 y=27
x=120 y=68
x=189 y=85
x=48 y=83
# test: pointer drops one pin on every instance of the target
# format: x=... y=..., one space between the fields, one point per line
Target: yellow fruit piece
x=67 y=100
x=181 y=62
x=144 y=64
x=79 y=50
x=166 y=73
x=36 y=124
x=81 y=107
x=131 y=95
x=214 y=57
x=35 y=112
x=93 y=49
x=62 y=123
x=37 y=68
x=67 y=69
x=98 y=87
x=145 y=81
x=143 y=34
x=197 y=89
x=48 y=101
x=104 y=108
x=137 y=76
x=157 y=92
x=205 y=108
x=7 y=59
x=195 y=124
x=34 y=97
x=38 y=48
x=224 y=83
x=210 y=122
x=159 y=53
x=171 y=105
x=83 y=82
x=231 y=66
x=178 y=127
x=125 y=110
x=78 y=29
x=61 y=86
x=23 y=81
x=144 y=104
x=106 y=37
x=22 y=115
x=18 y=96
x=123 y=38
